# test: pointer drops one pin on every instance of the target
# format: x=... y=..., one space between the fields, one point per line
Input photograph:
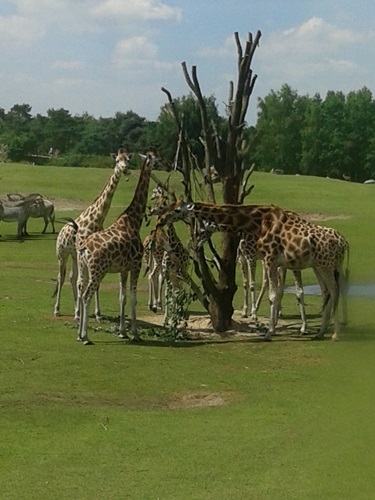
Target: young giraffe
x=117 y=249
x=282 y=240
x=155 y=245
x=174 y=265
x=165 y=257
x=89 y=221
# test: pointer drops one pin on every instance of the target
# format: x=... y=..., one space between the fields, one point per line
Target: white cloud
x=314 y=56
x=17 y=32
x=312 y=38
x=134 y=47
x=145 y=10
x=138 y=53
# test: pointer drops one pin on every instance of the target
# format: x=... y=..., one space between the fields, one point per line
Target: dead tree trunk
x=226 y=156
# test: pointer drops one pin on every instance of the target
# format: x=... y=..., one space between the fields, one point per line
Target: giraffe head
x=178 y=210
x=122 y=160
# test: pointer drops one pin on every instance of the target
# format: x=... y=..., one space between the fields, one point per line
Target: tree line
x=296 y=134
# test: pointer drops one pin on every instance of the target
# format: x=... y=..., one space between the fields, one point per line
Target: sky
x=106 y=56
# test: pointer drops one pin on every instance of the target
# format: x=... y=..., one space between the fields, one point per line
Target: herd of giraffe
x=281 y=239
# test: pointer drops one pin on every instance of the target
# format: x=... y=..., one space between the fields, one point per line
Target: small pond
x=354 y=290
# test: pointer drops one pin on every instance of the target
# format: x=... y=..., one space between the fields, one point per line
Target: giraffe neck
x=98 y=210
x=137 y=207
x=233 y=218
x=174 y=240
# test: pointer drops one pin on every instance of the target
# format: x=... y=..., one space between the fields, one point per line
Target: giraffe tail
x=71 y=222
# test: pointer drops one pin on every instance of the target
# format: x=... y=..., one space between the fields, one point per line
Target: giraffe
x=89 y=221
x=247 y=256
x=117 y=249
x=155 y=245
x=282 y=240
x=174 y=265
x=164 y=256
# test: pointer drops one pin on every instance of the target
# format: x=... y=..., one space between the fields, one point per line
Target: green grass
x=117 y=420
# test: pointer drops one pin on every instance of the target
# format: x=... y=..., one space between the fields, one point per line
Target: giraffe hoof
x=88 y=342
x=317 y=337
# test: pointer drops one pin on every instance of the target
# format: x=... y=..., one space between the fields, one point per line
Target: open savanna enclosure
x=218 y=418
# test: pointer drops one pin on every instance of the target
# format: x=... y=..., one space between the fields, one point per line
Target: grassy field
x=214 y=419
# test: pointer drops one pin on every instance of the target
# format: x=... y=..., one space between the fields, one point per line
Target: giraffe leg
x=84 y=316
x=331 y=290
x=98 y=315
x=263 y=288
x=271 y=271
x=60 y=281
x=153 y=290
x=254 y=310
x=134 y=274
x=245 y=281
x=166 y=300
x=123 y=282
x=300 y=294
x=160 y=289
x=73 y=281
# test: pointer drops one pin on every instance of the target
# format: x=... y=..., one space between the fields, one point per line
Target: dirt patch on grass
x=320 y=217
x=199 y=400
x=66 y=205
x=199 y=327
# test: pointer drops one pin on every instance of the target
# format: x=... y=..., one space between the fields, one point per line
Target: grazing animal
x=88 y=222
x=282 y=240
x=117 y=249
x=45 y=210
x=20 y=212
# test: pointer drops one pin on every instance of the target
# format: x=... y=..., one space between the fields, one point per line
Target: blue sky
x=104 y=56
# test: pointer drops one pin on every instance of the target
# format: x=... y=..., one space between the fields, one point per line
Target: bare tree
x=226 y=155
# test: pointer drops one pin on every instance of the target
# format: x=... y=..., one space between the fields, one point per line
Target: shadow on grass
x=32 y=237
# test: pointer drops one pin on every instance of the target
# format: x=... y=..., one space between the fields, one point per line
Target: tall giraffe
x=117 y=249
x=282 y=240
x=247 y=256
x=89 y=221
